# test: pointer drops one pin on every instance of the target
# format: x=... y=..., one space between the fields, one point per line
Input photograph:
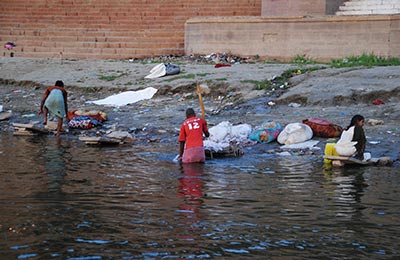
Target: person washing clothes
x=352 y=141
x=191 y=148
x=55 y=101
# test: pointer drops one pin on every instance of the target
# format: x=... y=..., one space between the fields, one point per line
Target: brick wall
x=107 y=29
x=322 y=38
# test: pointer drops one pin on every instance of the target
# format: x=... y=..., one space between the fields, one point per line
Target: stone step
x=369 y=7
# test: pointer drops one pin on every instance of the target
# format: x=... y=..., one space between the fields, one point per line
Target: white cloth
x=224 y=133
x=346 y=147
x=127 y=97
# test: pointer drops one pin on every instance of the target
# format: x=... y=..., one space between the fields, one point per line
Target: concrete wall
x=322 y=38
x=107 y=29
x=293 y=7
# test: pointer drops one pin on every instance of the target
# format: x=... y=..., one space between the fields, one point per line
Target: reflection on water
x=65 y=200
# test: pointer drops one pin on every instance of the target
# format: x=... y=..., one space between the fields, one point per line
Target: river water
x=65 y=200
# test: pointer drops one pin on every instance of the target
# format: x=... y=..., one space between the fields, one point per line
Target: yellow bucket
x=330 y=151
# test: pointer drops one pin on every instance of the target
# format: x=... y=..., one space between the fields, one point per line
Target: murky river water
x=67 y=200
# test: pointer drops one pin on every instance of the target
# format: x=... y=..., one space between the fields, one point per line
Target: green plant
x=111 y=77
x=366 y=60
x=259 y=85
x=202 y=74
x=302 y=60
x=187 y=76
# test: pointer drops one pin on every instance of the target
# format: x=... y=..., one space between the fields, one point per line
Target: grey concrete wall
x=322 y=38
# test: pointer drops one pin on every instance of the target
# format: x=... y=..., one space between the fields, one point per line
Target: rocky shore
x=241 y=93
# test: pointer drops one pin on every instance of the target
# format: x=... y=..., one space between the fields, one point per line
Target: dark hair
x=190 y=112
x=354 y=120
x=59 y=83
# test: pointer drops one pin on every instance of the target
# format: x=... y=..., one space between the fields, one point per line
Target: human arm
x=181 y=148
x=205 y=129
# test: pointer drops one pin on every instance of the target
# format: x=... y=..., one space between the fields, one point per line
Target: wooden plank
x=95 y=140
x=340 y=161
x=5 y=115
x=31 y=127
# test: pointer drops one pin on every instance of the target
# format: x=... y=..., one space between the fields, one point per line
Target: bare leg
x=45 y=112
x=59 y=126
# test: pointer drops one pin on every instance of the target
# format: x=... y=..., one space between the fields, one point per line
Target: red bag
x=323 y=127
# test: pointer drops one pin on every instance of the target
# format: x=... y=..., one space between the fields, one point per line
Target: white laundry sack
x=295 y=133
x=219 y=132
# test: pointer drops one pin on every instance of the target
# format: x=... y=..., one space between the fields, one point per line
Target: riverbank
x=239 y=94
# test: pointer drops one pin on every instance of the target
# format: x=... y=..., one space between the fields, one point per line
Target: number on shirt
x=194 y=125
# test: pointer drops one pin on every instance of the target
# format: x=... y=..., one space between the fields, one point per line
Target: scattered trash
x=284 y=154
x=127 y=97
x=378 y=102
x=374 y=122
x=220 y=65
x=9 y=45
x=374 y=142
x=295 y=105
x=29 y=115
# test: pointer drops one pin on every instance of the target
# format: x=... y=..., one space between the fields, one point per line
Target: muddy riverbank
x=235 y=94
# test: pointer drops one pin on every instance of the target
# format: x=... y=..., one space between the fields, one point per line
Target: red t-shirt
x=192 y=132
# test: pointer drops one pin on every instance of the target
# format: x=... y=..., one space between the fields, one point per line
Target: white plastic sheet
x=157 y=71
x=127 y=97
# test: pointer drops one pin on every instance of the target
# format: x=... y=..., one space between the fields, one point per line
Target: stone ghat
x=105 y=29
x=369 y=7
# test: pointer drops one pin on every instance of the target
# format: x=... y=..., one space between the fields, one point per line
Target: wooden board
x=340 y=161
x=97 y=140
x=5 y=115
x=29 y=129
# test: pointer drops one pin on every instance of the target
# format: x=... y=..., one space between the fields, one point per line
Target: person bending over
x=55 y=101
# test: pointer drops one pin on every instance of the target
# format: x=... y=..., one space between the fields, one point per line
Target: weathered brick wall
x=107 y=29
x=322 y=38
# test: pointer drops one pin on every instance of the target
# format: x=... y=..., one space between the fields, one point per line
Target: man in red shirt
x=191 y=138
